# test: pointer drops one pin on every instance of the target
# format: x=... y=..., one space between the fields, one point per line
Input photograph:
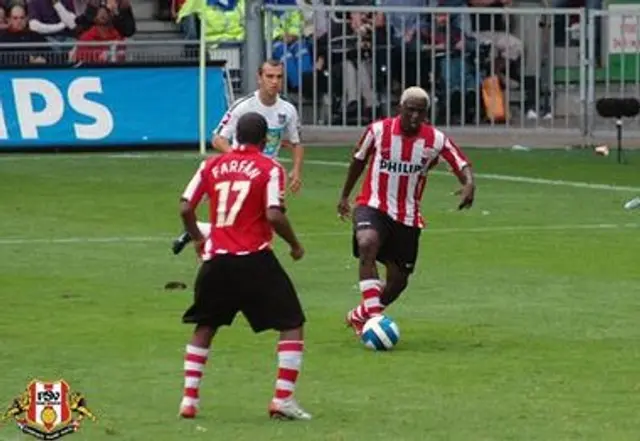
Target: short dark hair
x=270 y=62
x=251 y=129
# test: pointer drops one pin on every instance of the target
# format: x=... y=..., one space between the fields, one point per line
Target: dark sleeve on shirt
x=125 y=23
x=85 y=21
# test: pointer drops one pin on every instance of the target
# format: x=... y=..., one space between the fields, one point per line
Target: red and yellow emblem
x=46 y=410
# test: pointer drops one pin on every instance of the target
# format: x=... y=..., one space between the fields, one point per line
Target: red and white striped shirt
x=241 y=186
x=398 y=168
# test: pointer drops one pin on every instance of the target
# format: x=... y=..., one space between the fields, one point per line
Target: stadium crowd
x=30 y=29
x=352 y=51
x=442 y=51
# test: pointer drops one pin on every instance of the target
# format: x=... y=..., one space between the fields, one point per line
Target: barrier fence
x=510 y=71
x=615 y=70
x=482 y=66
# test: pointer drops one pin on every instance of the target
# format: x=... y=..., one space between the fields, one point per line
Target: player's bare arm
x=461 y=168
x=353 y=174
x=283 y=228
x=296 y=172
x=225 y=130
x=292 y=140
x=468 y=190
x=359 y=161
x=221 y=144
x=189 y=220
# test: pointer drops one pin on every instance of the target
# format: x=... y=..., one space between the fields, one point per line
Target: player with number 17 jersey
x=240 y=272
x=240 y=186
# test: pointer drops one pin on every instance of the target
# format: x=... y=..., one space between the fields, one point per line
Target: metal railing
x=354 y=65
x=614 y=68
x=129 y=51
x=551 y=65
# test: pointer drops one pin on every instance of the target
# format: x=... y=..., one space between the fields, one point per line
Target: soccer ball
x=380 y=333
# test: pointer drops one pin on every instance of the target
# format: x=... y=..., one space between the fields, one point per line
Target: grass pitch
x=520 y=323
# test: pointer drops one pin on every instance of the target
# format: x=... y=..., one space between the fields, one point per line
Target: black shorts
x=254 y=284
x=398 y=242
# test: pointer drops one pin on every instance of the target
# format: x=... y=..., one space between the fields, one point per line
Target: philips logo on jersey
x=400 y=167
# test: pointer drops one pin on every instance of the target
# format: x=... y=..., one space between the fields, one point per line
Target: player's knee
x=203 y=334
x=368 y=246
x=293 y=333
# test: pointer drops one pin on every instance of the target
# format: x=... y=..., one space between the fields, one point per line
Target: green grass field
x=520 y=323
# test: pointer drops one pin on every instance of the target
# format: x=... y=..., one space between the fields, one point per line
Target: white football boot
x=633 y=203
x=287 y=409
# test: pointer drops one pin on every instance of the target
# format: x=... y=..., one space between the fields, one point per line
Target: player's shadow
x=417 y=343
x=460 y=340
x=240 y=420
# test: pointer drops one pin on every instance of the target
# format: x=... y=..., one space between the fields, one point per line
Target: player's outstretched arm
x=363 y=151
x=189 y=220
x=353 y=174
x=292 y=137
x=461 y=168
x=468 y=190
x=296 y=171
x=282 y=227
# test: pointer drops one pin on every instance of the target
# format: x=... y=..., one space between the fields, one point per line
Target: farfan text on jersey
x=246 y=167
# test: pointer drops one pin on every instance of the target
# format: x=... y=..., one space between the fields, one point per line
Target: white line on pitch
x=490 y=176
x=509 y=178
x=495 y=229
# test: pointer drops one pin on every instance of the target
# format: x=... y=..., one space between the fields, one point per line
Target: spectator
x=189 y=24
x=454 y=72
x=297 y=57
x=103 y=30
x=408 y=33
x=344 y=46
x=3 y=18
x=222 y=26
x=163 y=10
x=55 y=19
x=287 y=26
x=18 y=32
x=8 y=4
x=564 y=24
x=492 y=28
x=121 y=16
x=80 y=6
x=404 y=27
x=189 y=27
x=5 y=5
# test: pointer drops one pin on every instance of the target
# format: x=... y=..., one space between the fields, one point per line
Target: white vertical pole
x=202 y=89
x=253 y=54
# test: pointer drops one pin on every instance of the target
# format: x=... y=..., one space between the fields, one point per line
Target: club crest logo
x=282 y=118
x=48 y=410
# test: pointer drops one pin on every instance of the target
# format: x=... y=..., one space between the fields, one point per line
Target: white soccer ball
x=380 y=333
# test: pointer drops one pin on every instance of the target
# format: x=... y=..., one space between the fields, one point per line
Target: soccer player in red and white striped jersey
x=387 y=220
x=239 y=272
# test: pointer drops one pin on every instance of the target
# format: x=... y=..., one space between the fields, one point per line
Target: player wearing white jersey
x=283 y=129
